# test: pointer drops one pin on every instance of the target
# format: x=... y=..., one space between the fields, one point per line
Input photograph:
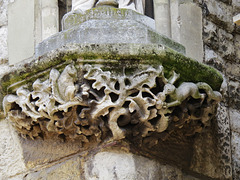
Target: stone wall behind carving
x=222 y=50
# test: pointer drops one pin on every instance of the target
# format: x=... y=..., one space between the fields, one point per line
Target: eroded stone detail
x=86 y=103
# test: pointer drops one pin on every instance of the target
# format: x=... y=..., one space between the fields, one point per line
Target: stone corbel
x=85 y=102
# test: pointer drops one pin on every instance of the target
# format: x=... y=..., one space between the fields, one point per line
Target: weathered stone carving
x=86 y=103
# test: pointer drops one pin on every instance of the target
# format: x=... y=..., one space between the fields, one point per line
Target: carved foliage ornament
x=90 y=102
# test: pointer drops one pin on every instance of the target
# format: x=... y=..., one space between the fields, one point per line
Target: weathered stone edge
x=190 y=70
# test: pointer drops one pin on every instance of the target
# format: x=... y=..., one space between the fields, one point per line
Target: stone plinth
x=107 y=26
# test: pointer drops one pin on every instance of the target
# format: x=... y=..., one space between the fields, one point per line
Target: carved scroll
x=87 y=103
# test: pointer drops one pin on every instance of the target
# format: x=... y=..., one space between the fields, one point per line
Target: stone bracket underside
x=85 y=102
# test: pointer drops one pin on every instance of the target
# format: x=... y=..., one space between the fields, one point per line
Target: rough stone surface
x=234 y=94
x=210 y=34
x=4 y=30
x=214 y=59
x=3 y=44
x=68 y=169
x=220 y=12
x=237 y=48
x=226 y=46
x=235 y=119
x=232 y=70
x=11 y=158
x=236 y=154
x=3 y=11
x=122 y=166
x=39 y=152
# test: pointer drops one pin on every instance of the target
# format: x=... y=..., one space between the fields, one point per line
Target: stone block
x=11 y=158
x=38 y=21
x=117 y=165
x=162 y=17
x=20 y=30
x=39 y=151
x=61 y=170
x=49 y=19
x=190 y=16
x=220 y=13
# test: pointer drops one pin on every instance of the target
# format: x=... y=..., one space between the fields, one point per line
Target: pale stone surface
x=11 y=158
x=67 y=170
x=49 y=13
x=185 y=21
x=125 y=166
x=175 y=20
x=20 y=44
x=38 y=21
x=191 y=30
x=162 y=17
x=3 y=44
x=39 y=151
x=107 y=165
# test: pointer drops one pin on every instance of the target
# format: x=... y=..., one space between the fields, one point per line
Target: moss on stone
x=113 y=57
